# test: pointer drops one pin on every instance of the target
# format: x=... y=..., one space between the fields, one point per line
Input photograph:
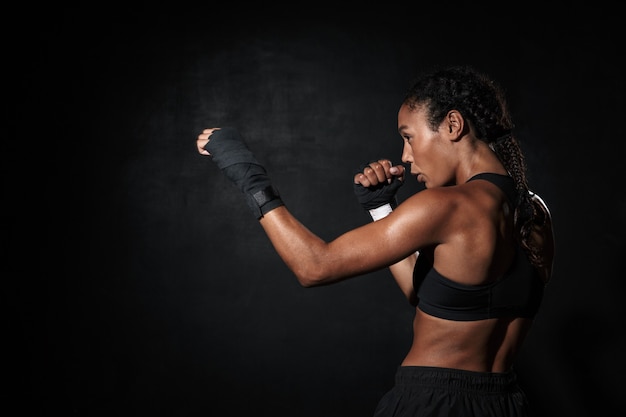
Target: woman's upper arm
x=415 y=223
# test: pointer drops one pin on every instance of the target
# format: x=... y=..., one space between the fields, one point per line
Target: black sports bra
x=518 y=293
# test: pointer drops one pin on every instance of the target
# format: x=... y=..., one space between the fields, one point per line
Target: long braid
x=510 y=154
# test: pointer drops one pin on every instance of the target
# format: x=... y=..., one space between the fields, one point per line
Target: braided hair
x=482 y=103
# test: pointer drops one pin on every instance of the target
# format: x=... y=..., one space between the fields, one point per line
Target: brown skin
x=469 y=225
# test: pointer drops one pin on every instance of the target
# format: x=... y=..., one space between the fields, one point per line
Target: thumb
x=398 y=171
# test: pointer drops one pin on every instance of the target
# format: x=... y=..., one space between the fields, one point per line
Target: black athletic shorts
x=430 y=391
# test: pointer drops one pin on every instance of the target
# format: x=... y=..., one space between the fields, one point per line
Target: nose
x=407 y=155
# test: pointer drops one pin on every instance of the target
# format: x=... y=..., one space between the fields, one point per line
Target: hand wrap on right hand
x=378 y=195
x=232 y=156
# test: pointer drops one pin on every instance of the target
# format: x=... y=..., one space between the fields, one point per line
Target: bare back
x=480 y=251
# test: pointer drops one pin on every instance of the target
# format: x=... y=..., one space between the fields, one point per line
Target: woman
x=472 y=251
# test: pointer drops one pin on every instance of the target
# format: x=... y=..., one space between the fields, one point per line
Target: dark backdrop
x=143 y=285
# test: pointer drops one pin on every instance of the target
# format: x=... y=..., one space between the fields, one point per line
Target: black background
x=140 y=284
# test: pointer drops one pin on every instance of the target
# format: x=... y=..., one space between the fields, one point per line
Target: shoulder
x=442 y=212
x=479 y=194
x=436 y=201
x=450 y=199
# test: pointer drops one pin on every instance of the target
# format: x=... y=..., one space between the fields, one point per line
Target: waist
x=457 y=379
x=479 y=346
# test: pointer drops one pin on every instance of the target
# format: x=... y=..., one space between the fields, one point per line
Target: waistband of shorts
x=457 y=379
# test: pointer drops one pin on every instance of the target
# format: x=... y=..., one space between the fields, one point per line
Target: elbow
x=309 y=281
x=312 y=277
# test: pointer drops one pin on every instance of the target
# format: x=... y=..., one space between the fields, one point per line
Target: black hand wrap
x=232 y=156
x=378 y=195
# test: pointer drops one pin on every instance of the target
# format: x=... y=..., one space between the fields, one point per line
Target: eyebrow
x=401 y=128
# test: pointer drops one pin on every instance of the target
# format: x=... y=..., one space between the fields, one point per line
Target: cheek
x=419 y=149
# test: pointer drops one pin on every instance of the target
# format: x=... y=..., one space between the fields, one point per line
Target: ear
x=454 y=125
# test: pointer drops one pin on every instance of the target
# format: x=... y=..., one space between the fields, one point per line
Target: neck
x=479 y=159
